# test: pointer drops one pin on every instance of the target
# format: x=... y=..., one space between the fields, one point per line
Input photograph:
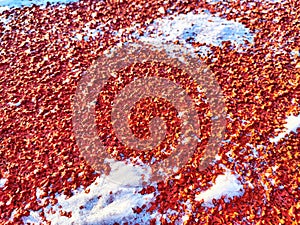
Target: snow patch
x=3 y=8
x=128 y=174
x=185 y=218
x=2 y=182
x=199 y=28
x=6 y=4
x=109 y=199
x=292 y=123
x=225 y=185
x=14 y=104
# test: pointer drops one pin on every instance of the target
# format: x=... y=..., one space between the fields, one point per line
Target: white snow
x=128 y=174
x=6 y=4
x=13 y=213
x=5 y=20
x=292 y=123
x=225 y=185
x=110 y=199
x=2 y=182
x=161 y=10
x=3 y=8
x=14 y=104
x=202 y=28
x=185 y=218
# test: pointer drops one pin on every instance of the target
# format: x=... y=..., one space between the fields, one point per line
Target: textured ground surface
x=251 y=47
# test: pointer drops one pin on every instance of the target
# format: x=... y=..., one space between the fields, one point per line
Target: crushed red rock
x=43 y=55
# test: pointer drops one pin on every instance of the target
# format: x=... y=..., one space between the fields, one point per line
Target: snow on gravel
x=200 y=28
x=111 y=201
x=292 y=123
x=225 y=185
x=2 y=182
x=19 y=3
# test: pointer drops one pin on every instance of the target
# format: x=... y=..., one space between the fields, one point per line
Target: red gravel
x=40 y=68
